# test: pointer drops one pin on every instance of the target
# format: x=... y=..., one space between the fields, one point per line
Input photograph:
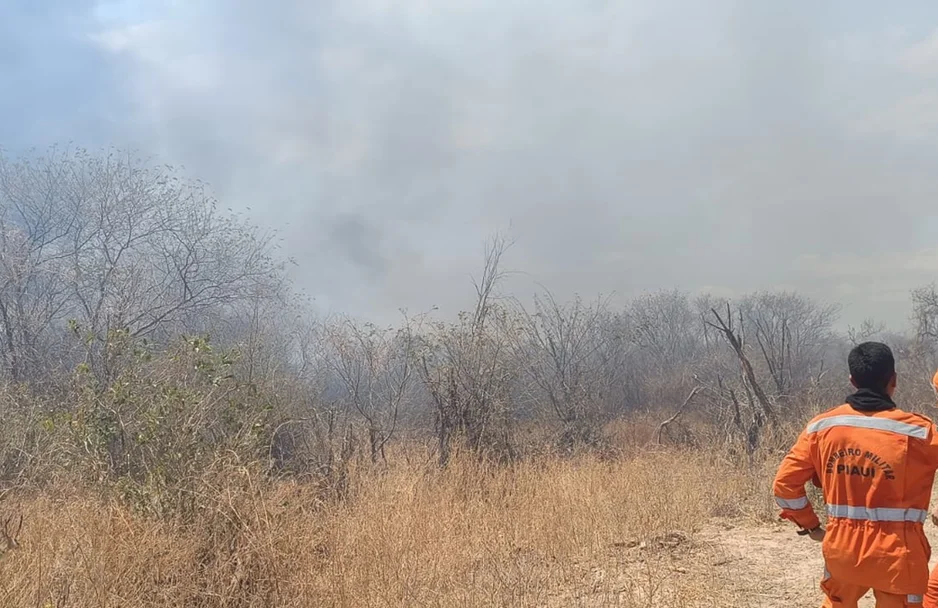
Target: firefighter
x=876 y=465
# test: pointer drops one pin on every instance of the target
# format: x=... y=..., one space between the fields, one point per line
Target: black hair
x=872 y=366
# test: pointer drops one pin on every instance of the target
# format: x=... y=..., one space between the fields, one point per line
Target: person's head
x=873 y=367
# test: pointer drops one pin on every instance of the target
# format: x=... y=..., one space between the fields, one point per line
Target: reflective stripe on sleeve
x=792 y=503
x=877 y=513
x=869 y=422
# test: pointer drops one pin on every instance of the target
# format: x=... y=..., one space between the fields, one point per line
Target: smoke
x=732 y=146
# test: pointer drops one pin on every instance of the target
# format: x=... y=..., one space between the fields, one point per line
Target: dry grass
x=533 y=534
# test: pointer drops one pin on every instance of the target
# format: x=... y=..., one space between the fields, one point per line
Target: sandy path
x=773 y=565
x=727 y=564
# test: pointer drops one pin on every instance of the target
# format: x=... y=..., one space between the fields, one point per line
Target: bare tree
x=668 y=334
x=792 y=334
x=467 y=368
x=922 y=352
x=925 y=312
x=34 y=248
x=124 y=249
x=760 y=408
x=562 y=347
x=664 y=325
x=622 y=381
x=674 y=418
x=315 y=432
x=867 y=330
x=374 y=366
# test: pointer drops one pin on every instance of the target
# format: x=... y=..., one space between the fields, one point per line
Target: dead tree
x=680 y=411
x=375 y=370
x=562 y=349
x=761 y=407
x=119 y=251
x=467 y=369
x=791 y=332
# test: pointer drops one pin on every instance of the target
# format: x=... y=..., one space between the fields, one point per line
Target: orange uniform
x=876 y=465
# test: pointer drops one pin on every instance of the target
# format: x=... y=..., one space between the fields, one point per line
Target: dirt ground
x=776 y=566
x=725 y=564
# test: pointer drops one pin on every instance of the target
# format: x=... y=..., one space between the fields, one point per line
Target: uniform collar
x=868 y=400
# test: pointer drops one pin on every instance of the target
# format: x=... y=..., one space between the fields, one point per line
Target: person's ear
x=853 y=382
x=893 y=383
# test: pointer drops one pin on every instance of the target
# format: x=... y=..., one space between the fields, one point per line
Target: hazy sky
x=629 y=145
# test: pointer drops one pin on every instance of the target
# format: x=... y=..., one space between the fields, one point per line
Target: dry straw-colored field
x=632 y=530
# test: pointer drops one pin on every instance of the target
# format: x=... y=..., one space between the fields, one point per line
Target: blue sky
x=726 y=145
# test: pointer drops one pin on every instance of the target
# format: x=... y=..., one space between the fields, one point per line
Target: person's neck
x=870 y=400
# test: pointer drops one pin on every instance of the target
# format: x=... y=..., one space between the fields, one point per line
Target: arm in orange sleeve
x=796 y=470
